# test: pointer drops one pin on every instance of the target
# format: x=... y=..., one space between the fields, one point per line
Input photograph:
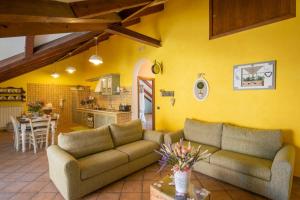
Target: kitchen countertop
x=102 y=111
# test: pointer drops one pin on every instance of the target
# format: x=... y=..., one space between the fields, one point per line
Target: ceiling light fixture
x=70 y=69
x=55 y=75
x=95 y=59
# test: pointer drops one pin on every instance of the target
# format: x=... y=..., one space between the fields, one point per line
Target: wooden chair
x=39 y=132
x=17 y=133
x=55 y=129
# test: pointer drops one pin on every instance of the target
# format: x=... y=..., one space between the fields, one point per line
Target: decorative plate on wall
x=201 y=89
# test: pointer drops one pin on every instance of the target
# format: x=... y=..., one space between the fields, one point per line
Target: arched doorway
x=143 y=94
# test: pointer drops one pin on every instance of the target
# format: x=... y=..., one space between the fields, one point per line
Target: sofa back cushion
x=203 y=132
x=254 y=142
x=86 y=142
x=127 y=132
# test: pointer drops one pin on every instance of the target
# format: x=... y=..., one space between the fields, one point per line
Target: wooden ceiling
x=86 y=19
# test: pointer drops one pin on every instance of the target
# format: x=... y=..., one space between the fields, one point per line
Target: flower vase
x=35 y=114
x=182 y=181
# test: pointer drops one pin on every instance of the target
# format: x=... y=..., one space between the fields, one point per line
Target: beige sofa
x=87 y=160
x=255 y=160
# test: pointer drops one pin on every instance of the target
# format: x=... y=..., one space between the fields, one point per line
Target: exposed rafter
x=94 y=8
x=39 y=28
x=87 y=19
x=29 y=45
x=46 y=8
x=119 y=30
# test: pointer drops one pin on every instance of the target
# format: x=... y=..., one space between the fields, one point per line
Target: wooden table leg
x=23 y=134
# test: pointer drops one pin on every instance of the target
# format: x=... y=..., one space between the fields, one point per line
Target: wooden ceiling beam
x=13 y=73
x=21 y=29
x=132 y=16
x=119 y=30
x=64 y=44
x=94 y=8
x=101 y=37
x=4 y=18
x=29 y=46
x=150 y=10
x=36 y=8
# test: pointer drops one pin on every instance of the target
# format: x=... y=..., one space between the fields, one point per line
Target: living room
x=236 y=69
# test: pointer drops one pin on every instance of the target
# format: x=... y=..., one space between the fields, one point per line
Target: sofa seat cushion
x=204 y=147
x=98 y=163
x=245 y=164
x=138 y=149
x=203 y=132
x=127 y=132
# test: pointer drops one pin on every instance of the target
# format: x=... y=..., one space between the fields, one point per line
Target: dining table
x=25 y=125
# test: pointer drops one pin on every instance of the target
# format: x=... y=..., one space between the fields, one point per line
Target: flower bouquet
x=35 y=108
x=181 y=158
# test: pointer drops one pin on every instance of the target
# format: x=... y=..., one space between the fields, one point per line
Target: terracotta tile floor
x=25 y=176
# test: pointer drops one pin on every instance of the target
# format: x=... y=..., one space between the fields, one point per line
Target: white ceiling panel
x=43 y=39
x=11 y=46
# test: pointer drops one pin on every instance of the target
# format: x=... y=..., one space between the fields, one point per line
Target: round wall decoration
x=201 y=88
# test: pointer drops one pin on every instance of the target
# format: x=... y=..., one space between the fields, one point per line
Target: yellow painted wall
x=184 y=27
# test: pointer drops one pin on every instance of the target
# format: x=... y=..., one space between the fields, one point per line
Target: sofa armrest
x=173 y=137
x=282 y=173
x=64 y=171
x=154 y=136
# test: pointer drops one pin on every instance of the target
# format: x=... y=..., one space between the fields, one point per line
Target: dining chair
x=17 y=136
x=55 y=128
x=39 y=132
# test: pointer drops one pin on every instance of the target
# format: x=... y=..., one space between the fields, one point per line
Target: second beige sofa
x=87 y=160
x=252 y=159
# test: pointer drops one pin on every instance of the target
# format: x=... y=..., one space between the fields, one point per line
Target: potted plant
x=181 y=158
x=35 y=108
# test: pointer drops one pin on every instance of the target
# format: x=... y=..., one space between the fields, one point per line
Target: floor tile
x=109 y=196
x=114 y=187
x=5 y=195
x=49 y=188
x=34 y=186
x=240 y=194
x=146 y=196
x=146 y=185
x=44 y=196
x=131 y=196
x=220 y=195
x=30 y=176
x=14 y=187
x=132 y=186
x=152 y=176
x=23 y=196
x=92 y=196
x=138 y=176
x=211 y=185
x=58 y=197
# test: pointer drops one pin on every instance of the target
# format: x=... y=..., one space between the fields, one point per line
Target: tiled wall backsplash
x=49 y=93
x=115 y=100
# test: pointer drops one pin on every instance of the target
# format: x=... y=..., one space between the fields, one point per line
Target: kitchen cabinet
x=103 y=119
x=110 y=84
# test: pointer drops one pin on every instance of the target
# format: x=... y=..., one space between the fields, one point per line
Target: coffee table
x=165 y=190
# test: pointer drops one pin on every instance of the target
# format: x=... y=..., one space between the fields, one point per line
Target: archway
x=142 y=69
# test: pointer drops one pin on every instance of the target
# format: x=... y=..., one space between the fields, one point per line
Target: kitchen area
x=108 y=103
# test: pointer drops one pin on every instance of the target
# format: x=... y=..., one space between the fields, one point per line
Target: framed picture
x=254 y=76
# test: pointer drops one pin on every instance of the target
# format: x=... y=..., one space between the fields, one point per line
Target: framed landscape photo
x=254 y=76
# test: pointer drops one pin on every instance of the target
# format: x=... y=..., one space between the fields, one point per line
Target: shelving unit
x=12 y=94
